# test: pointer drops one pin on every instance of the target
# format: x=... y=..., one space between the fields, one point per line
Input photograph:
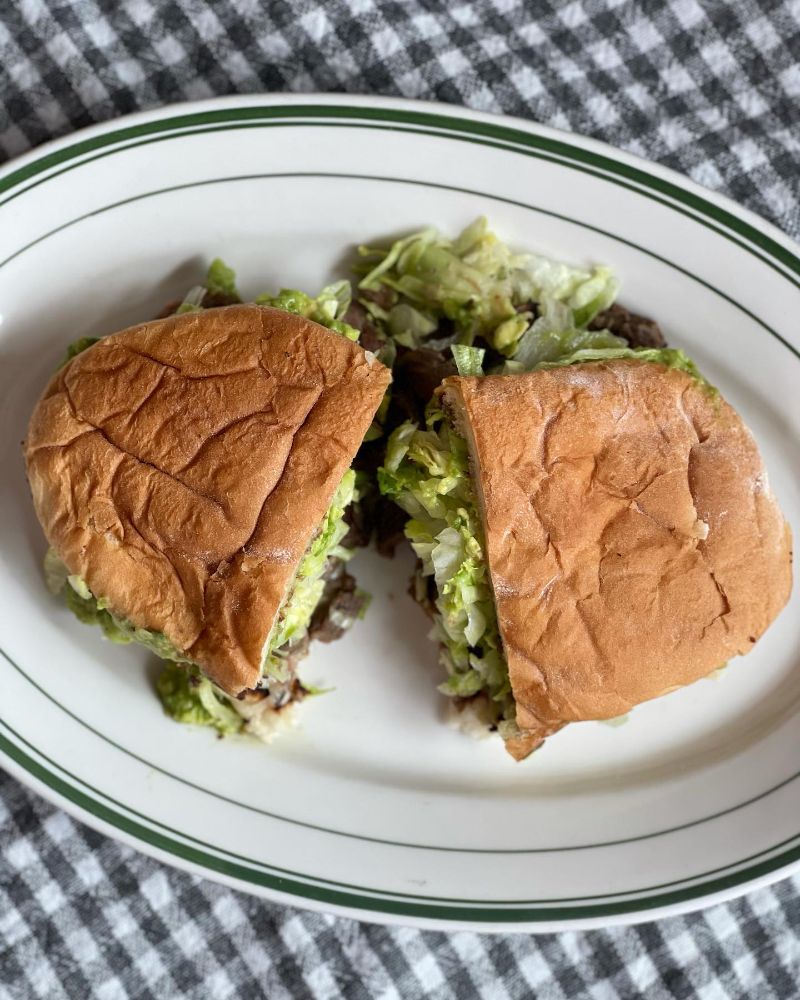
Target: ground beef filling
x=637 y=330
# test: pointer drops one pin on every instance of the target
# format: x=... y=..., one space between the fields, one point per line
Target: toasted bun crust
x=633 y=541
x=181 y=467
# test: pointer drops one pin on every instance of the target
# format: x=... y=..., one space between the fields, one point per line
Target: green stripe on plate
x=377 y=840
x=506 y=138
x=259 y=873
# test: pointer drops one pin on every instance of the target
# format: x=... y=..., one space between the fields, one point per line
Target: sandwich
x=591 y=534
x=193 y=475
x=592 y=521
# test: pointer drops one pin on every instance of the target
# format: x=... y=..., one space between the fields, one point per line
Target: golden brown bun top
x=633 y=541
x=181 y=467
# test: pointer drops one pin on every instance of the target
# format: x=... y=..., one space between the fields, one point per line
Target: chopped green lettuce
x=670 y=357
x=219 y=289
x=221 y=281
x=473 y=281
x=407 y=325
x=592 y=295
x=426 y=473
x=374 y=431
x=327 y=308
x=554 y=334
x=314 y=691
x=508 y=334
x=295 y=615
x=482 y=289
x=190 y=697
x=192 y=301
x=469 y=360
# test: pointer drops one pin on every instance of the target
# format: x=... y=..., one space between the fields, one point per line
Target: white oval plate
x=374 y=808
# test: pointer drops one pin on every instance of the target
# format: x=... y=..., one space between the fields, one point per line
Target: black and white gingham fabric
x=709 y=87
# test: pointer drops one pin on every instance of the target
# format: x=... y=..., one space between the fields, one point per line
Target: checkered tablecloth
x=711 y=88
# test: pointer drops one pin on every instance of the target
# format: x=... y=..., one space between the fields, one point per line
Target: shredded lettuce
x=426 y=473
x=469 y=360
x=554 y=334
x=670 y=357
x=407 y=325
x=190 y=697
x=192 y=301
x=473 y=281
x=219 y=287
x=592 y=295
x=295 y=615
x=221 y=281
x=327 y=308
x=483 y=289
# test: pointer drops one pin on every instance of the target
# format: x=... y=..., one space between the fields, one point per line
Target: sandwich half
x=590 y=536
x=191 y=475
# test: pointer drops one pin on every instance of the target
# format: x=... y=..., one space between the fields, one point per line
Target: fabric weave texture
x=708 y=87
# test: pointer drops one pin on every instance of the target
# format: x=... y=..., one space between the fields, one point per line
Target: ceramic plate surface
x=374 y=808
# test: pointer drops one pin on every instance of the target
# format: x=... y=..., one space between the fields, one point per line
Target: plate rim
x=453 y=113
x=762 y=233
x=283 y=891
